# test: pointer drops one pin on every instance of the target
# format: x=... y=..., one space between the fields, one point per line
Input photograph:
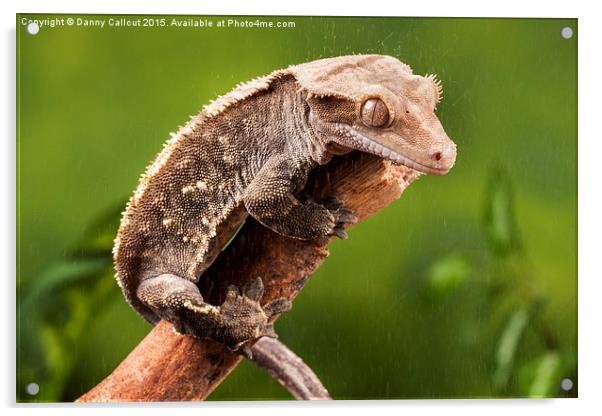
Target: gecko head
x=375 y=104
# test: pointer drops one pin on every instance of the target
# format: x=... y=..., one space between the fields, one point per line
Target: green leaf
x=446 y=274
x=500 y=223
x=98 y=237
x=547 y=376
x=541 y=377
x=508 y=345
x=55 y=309
x=60 y=276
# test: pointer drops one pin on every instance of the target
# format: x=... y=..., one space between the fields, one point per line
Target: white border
x=508 y=8
x=590 y=153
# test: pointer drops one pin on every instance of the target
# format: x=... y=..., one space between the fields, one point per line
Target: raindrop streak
x=32 y=389
x=566 y=32
x=33 y=28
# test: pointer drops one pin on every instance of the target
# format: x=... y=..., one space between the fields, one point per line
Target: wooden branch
x=288 y=369
x=170 y=367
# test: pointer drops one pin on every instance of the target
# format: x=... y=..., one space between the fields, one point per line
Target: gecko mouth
x=365 y=144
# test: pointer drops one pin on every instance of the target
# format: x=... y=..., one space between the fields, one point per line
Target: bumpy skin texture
x=249 y=153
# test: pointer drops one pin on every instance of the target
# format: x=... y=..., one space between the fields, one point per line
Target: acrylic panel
x=465 y=287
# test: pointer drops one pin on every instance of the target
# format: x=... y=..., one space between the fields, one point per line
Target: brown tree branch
x=288 y=369
x=170 y=367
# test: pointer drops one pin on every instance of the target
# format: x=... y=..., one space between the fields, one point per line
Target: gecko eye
x=374 y=113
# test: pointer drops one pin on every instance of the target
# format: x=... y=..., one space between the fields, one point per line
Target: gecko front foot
x=343 y=216
x=238 y=320
x=243 y=319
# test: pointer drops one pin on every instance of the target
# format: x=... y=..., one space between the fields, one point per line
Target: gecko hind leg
x=238 y=320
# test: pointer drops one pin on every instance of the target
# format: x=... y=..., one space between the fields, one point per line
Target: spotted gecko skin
x=249 y=153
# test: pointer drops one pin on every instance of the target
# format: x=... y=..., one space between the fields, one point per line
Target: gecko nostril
x=437 y=156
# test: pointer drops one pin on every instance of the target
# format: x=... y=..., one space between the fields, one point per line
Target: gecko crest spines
x=241 y=92
x=438 y=85
x=124 y=223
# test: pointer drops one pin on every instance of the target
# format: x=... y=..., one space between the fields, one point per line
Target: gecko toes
x=277 y=306
x=343 y=217
x=243 y=319
x=339 y=231
x=254 y=289
x=346 y=216
x=332 y=203
x=232 y=291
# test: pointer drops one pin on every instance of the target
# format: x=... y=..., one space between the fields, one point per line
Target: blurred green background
x=465 y=287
